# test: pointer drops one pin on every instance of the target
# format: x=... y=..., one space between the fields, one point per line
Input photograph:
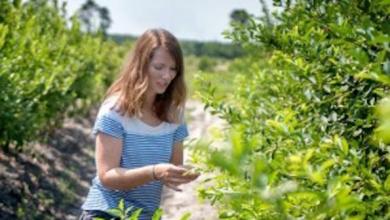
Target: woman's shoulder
x=109 y=108
x=110 y=101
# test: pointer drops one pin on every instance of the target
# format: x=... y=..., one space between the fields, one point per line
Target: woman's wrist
x=154 y=172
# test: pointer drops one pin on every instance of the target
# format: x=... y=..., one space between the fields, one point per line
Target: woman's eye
x=158 y=67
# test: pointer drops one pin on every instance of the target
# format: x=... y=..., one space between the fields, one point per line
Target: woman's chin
x=160 y=91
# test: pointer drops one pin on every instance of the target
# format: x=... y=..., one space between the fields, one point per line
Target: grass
x=217 y=75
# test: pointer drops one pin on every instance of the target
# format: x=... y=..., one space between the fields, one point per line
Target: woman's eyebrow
x=163 y=64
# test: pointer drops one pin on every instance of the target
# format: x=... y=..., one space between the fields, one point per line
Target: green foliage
x=122 y=38
x=213 y=70
x=212 y=49
x=124 y=213
x=302 y=118
x=207 y=64
x=382 y=133
x=47 y=67
x=129 y=213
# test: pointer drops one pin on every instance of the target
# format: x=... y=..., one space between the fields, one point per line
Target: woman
x=140 y=130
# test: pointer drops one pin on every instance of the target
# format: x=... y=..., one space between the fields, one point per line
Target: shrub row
x=302 y=115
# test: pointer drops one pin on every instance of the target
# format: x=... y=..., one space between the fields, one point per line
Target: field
x=305 y=100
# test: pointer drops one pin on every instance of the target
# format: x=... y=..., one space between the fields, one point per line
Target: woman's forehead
x=162 y=55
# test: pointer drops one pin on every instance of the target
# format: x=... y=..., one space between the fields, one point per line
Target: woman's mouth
x=162 y=85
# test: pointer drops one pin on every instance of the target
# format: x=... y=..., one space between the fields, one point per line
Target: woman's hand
x=172 y=176
x=190 y=174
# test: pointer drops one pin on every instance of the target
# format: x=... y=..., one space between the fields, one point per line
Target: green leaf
x=239 y=149
x=309 y=154
x=226 y=214
x=386 y=184
x=344 y=145
x=186 y=216
x=157 y=214
x=135 y=215
x=115 y=212
x=386 y=66
x=121 y=204
x=128 y=210
x=317 y=177
x=327 y=164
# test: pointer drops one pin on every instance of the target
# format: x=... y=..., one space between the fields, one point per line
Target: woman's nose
x=167 y=75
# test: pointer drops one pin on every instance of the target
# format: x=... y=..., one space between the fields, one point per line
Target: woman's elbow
x=110 y=182
x=104 y=180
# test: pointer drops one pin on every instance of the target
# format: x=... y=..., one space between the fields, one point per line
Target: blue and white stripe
x=142 y=145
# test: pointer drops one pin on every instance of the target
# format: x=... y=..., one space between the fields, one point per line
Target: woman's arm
x=111 y=175
x=177 y=154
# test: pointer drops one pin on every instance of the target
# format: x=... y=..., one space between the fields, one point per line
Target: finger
x=184 y=179
x=176 y=180
x=193 y=176
x=171 y=186
x=175 y=175
x=187 y=166
x=177 y=170
x=190 y=174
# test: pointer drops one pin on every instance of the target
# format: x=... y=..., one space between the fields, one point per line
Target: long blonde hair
x=132 y=83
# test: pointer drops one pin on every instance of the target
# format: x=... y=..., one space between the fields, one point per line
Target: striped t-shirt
x=142 y=145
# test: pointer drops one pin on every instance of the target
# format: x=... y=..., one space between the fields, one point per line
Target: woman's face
x=162 y=70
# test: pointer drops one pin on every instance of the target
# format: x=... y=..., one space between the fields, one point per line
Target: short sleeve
x=180 y=133
x=108 y=126
x=109 y=122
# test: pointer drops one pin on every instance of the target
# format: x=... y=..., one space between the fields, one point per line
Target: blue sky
x=195 y=20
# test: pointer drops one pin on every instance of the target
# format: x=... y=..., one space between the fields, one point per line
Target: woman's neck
x=149 y=102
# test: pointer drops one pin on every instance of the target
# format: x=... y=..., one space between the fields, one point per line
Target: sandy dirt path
x=176 y=204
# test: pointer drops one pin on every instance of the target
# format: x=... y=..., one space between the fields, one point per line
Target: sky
x=203 y=20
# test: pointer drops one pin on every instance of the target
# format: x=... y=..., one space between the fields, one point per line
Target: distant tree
x=94 y=18
x=212 y=49
x=239 y=16
x=105 y=21
x=282 y=3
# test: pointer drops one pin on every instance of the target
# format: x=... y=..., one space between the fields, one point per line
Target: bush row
x=48 y=67
x=302 y=115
